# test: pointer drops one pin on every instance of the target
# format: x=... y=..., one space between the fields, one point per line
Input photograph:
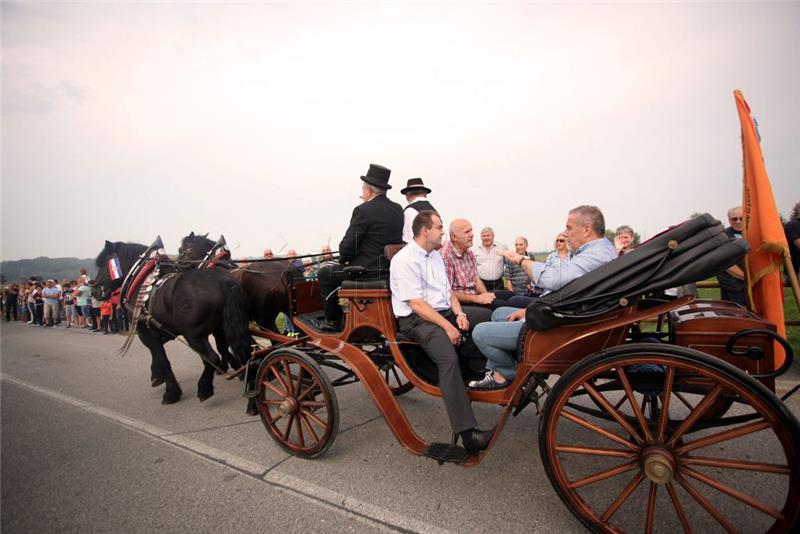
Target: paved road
x=87 y=446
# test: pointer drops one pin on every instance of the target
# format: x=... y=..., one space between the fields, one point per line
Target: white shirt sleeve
x=408 y=233
x=406 y=283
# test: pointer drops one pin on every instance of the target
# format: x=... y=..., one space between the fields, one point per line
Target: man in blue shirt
x=497 y=340
x=51 y=295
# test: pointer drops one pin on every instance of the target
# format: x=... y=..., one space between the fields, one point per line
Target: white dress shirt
x=416 y=274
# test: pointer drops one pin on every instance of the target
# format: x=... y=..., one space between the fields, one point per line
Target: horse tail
x=235 y=322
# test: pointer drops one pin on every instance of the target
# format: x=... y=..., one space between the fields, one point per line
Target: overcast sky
x=122 y=121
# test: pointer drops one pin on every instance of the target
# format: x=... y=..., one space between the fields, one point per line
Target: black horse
x=194 y=304
x=263 y=283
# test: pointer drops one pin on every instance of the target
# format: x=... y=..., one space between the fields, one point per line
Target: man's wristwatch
x=461 y=314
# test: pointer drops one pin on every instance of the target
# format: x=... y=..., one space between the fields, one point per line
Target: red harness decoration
x=147 y=269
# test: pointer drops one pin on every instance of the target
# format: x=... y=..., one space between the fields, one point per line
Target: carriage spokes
x=297 y=403
x=599 y=456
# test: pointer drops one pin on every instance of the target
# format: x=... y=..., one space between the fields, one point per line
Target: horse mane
x=126 y=252
x=201 y=241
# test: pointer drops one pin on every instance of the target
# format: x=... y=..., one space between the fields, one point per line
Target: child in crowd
x=119 y=311
x=106 y=311
x=116 y=325
x=69 y=305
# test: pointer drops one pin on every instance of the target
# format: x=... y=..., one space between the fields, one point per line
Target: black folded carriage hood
x=692 y=251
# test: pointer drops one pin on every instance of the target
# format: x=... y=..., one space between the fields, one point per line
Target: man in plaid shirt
x=462 y=271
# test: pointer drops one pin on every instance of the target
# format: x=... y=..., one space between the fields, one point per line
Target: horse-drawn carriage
x=687 y=415
x=676 y=425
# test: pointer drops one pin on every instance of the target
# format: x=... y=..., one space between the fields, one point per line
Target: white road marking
x=351 y=507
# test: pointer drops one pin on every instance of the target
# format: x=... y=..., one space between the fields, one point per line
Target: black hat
x=414 y=184
x=378 y=175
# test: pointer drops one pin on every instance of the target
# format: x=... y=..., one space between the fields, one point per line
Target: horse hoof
x=170 y=399
x=155 y=382
x=251 y=408
x=205 y=395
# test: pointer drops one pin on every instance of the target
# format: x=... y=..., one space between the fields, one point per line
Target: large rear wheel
x=660 y=455
x=297 y=403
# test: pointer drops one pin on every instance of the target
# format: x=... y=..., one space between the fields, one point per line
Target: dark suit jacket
x=373 y=225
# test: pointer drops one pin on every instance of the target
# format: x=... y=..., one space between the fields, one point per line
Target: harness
x=144 y=277
x=219 y=253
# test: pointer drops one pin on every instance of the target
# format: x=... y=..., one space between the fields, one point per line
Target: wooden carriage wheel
x=297 y=403
x=395 y=379
x=655 y=467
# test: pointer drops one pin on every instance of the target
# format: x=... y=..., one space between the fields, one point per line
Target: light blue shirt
x=588 y=257
x=51 y=295
x=416 y=274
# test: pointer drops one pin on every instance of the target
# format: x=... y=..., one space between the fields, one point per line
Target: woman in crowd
x=624 y=239
x=561 y=253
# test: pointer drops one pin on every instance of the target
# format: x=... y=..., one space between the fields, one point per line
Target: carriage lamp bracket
x=361 y=304
x=756 y=353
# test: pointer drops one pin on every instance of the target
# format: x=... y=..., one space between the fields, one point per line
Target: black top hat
x=378 y=175
x=414 y=184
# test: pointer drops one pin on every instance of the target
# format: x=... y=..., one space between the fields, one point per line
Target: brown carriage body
x=707 y=325
x=573 y=350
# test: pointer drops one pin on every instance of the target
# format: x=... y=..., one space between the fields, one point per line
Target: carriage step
x=445 y=452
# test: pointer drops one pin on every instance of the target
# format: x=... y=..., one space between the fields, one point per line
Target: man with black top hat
x=375 y=223
x=416 y=194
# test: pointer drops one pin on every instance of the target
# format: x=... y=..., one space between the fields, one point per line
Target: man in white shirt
x=417 y=196
x=490 y=260
x=429 y=313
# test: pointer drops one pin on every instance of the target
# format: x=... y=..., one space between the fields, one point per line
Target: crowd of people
x=67 y=304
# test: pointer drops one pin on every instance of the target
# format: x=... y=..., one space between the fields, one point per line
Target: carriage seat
x=694 y=250
x=375 y=283
x=353 y=273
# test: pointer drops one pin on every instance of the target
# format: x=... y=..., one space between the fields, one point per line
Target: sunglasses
x=734 y=218
x=561 y=240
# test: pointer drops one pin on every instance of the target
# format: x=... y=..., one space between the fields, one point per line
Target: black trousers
x=739 y=297
x=11 y=309
x=330 y=278
x=447 y=357
x=491 y=285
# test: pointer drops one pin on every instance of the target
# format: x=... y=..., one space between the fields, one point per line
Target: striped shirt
x=462 y=271
x=518 y=277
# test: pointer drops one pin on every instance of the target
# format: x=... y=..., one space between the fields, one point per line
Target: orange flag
x=762 y=230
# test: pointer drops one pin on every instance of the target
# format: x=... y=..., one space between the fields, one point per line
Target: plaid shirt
x=462 y=271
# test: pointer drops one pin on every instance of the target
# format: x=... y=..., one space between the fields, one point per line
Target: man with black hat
x=416 y=194
x=375 y=223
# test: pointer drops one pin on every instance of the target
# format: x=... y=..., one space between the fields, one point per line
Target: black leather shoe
x=331 y=326
x=476 y=440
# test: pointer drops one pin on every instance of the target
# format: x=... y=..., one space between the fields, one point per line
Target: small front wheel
x=297 y=403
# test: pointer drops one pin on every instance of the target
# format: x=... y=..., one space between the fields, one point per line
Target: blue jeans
x=497 y=340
